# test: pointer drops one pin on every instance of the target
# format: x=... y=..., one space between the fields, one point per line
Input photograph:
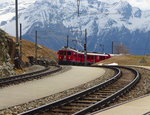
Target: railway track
x=92 y=99
x=28 y=76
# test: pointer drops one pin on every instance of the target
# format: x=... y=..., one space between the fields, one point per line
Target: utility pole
x=20 y=41
x=112 y=47
x=78 y=5
x=67 y=41
x=85 y=48
x=36 y=45
x=16 y=7
x=17 y=61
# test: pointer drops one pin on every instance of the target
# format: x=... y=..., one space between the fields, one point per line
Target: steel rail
x=75 y=96
x=36 y=74
x=114 y=96
x=23 y=75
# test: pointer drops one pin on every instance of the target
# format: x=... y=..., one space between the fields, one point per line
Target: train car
x=70 y=56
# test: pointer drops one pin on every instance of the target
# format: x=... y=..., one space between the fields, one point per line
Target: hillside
x=128 y=60
x=28 y=49
x=7 y=53
x=42 y=51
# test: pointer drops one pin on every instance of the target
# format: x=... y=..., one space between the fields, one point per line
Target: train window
x=68 y=53
x=62 y=53
x=102 y=57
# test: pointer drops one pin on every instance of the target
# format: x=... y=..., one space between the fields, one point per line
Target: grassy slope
x=29 y=50
x=128 y=60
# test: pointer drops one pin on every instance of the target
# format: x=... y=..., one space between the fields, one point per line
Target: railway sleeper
x=73 y=107
x=58 y=111
x=116 y=87
x=107 y=91
x=65 y=110
x=99 y=96
x=78 y=104
x=104 y=93
x=94 y=96
x=52 y=114
x=86 y=101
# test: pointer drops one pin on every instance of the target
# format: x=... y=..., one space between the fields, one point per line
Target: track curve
x=28 y=76
x=94 y=98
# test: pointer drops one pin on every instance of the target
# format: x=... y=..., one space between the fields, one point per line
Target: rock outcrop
x=6 y=55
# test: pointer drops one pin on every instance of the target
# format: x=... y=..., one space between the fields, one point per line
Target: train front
x=65 y=56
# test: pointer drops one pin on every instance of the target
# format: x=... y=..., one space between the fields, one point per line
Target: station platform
x=139 y=106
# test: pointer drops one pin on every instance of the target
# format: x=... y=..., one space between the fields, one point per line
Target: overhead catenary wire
x=54 y=32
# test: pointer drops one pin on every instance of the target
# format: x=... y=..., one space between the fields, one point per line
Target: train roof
x=82 y=52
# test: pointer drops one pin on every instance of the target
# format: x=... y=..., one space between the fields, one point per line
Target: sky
x=142 y=4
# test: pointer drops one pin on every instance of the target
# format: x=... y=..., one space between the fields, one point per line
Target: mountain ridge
x=105 y=23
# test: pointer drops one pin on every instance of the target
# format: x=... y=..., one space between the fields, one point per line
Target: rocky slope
x=7 y=53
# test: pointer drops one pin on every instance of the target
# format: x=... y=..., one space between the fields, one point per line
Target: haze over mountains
x=55 y=19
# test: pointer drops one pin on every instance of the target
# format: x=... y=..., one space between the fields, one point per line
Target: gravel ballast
x=142 y=88
x=89 y=73
x=132 y=106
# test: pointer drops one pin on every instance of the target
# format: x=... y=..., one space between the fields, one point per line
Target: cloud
x=142 y=4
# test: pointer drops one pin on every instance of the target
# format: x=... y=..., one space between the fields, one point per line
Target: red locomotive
x=74 y=57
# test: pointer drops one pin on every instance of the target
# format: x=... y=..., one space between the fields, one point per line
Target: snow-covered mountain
x=55 y=19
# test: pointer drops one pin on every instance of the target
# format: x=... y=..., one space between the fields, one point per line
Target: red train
x=74 y=57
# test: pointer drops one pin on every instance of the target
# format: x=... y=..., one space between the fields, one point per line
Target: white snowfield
x=116 y=11
x=36 y=89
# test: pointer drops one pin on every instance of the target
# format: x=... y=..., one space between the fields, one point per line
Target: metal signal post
x=78 y=5
x=36 y=45
x=17 y=60
x=85 y=48
x=16 y=7
x=112 y=47
x=20 y=41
